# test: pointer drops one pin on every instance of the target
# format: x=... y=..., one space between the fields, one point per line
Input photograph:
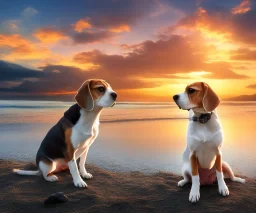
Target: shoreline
x=117 y=192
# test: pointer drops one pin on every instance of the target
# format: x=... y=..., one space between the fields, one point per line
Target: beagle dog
x=202 y=158
x=73 y=135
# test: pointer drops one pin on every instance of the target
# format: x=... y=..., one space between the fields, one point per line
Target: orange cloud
x=22 y=48
x=251 y=86
x=220 y=28
x=207 y=25
x=121 y=28
x=243 y=7
x=159 y=59
x=243 y=54
x=81 y=24
x=12 y=41
x=48 y=35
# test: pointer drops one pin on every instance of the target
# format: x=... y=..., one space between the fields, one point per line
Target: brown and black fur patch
x=57 y=142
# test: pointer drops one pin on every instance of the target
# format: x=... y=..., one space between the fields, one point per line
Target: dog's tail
x=227 y=169
x=26 y=172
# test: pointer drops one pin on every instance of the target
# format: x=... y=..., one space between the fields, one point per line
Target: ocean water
x=146 y=137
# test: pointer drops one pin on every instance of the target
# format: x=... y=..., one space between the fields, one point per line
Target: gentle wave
x=30 y=107
x=140 y=119
x=53 y=105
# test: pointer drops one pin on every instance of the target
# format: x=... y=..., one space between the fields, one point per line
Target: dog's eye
x=101 y=89
x=191 y=90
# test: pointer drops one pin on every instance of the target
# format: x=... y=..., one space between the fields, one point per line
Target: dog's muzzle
x=114 y=95
x=175 y=98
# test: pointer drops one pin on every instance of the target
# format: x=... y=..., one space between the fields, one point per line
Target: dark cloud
x=148 y=59
x=158 y=59
x=62 y=82
x=91 y=37
x=186 y=6
x=236 y=27
x=243 y=54
x=115 y=13
x=108 y=18
x=104 y=19
x=135 y=70
x=13 y=72
x=56 y=78
x=243 y=27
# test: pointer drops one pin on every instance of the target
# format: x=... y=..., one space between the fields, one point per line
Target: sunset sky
x=148 y=50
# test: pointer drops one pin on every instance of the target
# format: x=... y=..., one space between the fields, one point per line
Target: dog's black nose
x=176 y=97
x=114 y=95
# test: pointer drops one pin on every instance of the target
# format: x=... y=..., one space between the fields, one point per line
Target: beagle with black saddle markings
x=72 y=136
x=202 y=158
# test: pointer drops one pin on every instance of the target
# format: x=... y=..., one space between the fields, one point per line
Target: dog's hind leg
x=47 y=167
x=186 y=172
x=228 y=171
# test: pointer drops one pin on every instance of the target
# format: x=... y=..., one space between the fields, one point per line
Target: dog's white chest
x=83 y=133
x=206 y=154
x=204 y=140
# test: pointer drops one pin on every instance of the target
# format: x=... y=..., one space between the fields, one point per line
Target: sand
x=117 y=192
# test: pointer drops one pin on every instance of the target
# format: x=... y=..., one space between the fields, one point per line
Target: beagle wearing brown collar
x=202 y=158
x=72 y=136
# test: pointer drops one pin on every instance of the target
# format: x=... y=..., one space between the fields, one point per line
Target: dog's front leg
x=223 y=189
x=78 y=181
x=195 y=189
x=82 y=169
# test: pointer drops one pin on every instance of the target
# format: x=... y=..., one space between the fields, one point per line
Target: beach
x=117 y=192
x=136 y=160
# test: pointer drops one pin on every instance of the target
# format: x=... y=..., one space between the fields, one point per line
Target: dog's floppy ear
x=210 y=99
x=84 y=96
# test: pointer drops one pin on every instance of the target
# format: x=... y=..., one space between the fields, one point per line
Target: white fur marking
x=194 y=194
x=24 y=172
x=46 y=169
x=78 y=182
x=223 y=189
x=184 y=101
x=106 y=100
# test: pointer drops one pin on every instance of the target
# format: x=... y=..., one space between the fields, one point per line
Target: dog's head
x=95 y=93
x=197 y=96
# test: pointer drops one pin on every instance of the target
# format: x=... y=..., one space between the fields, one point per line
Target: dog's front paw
x=223 y=189
x=86 y=175
x=194 y=195
x=80 y=183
